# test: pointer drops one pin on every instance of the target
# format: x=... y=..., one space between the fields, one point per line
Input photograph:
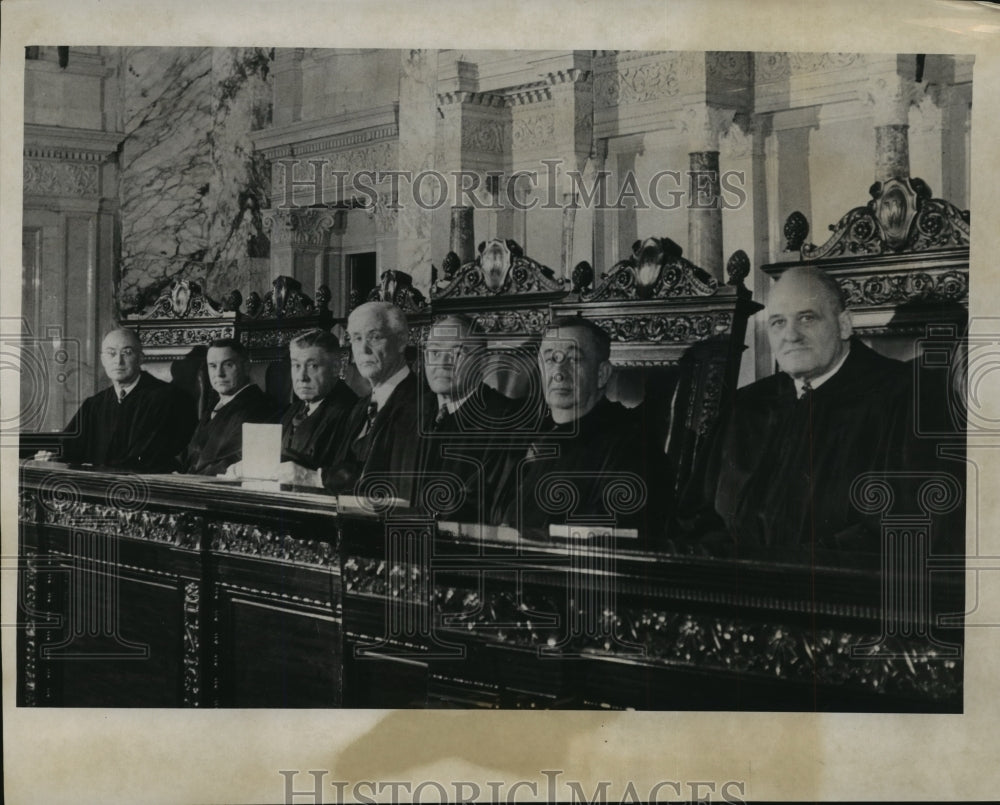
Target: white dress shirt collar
x=119 y=390
x=816 y=382
x=383 y=391
x=225 y=399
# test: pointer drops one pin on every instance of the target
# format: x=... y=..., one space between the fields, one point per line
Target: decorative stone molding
x=729 y=65
x=46 y=178
x=337 y=133
x=777 y=66
x=484 y=135
x=300 y=227
x=487 y=99
x=533 y=131
x=639 y=83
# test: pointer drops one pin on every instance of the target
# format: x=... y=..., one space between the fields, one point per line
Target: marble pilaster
x=418 y=118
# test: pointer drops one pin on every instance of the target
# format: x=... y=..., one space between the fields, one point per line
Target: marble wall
x=191 y=188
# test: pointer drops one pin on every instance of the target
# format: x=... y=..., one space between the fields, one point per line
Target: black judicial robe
x=781 y=469
x=603 y=464
x=314 y=442
x=389 y=449
x=466 y=454
x=218 y=442
x=142 y=433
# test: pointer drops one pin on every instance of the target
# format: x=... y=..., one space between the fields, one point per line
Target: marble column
x=892 y=152
x=463 y=236
x=891 y=91
x=707 y=123
x=568 y=222
x=705 y=213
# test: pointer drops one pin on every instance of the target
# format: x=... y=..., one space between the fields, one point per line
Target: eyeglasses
x=439 y=353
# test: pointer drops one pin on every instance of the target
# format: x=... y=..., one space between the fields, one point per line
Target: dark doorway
x=361 y=278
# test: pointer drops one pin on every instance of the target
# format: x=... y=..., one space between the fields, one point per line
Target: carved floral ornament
x=183 y=299
x=655 y=269
x=852 y=659
x=304 y=227
x=50 y=178
x=501 y=268
x=901 y=217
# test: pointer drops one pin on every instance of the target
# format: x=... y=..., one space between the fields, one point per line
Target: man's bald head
x=807 y=323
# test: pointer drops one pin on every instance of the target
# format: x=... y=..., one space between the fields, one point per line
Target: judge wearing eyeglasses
x=135 y=424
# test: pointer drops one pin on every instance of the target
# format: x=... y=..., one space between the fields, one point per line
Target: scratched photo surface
x=463 y=378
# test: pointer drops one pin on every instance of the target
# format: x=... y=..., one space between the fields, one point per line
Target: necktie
x=121 y=396
x=300 y=415
x=806 y=390
x=442 y=417
x=369 y=419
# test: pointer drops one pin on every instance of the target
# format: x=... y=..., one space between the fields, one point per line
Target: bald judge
x=137 y=423
x=782 y=468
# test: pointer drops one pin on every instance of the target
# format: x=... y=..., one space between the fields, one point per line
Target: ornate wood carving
x=667 y=327
x=397 y=287
x=285 y=300
x=254 y=540
x=28 y=585
x=502 y=268
x=183 y=299
x=180 y=528
x=182 y=316
x=192 y=641
x=901 y=217
x=654 y=270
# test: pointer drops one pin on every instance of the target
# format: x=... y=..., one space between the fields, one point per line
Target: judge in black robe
x=467 y=431
x=592 y=461
x=378 y=443
x=380 y=449
x=137 y=423
x=310 y=431
x=217 y=442
x=780 y=474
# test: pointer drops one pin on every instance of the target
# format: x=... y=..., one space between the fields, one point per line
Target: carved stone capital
x=706 y=125
x=890 y=97
x=299 y=227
